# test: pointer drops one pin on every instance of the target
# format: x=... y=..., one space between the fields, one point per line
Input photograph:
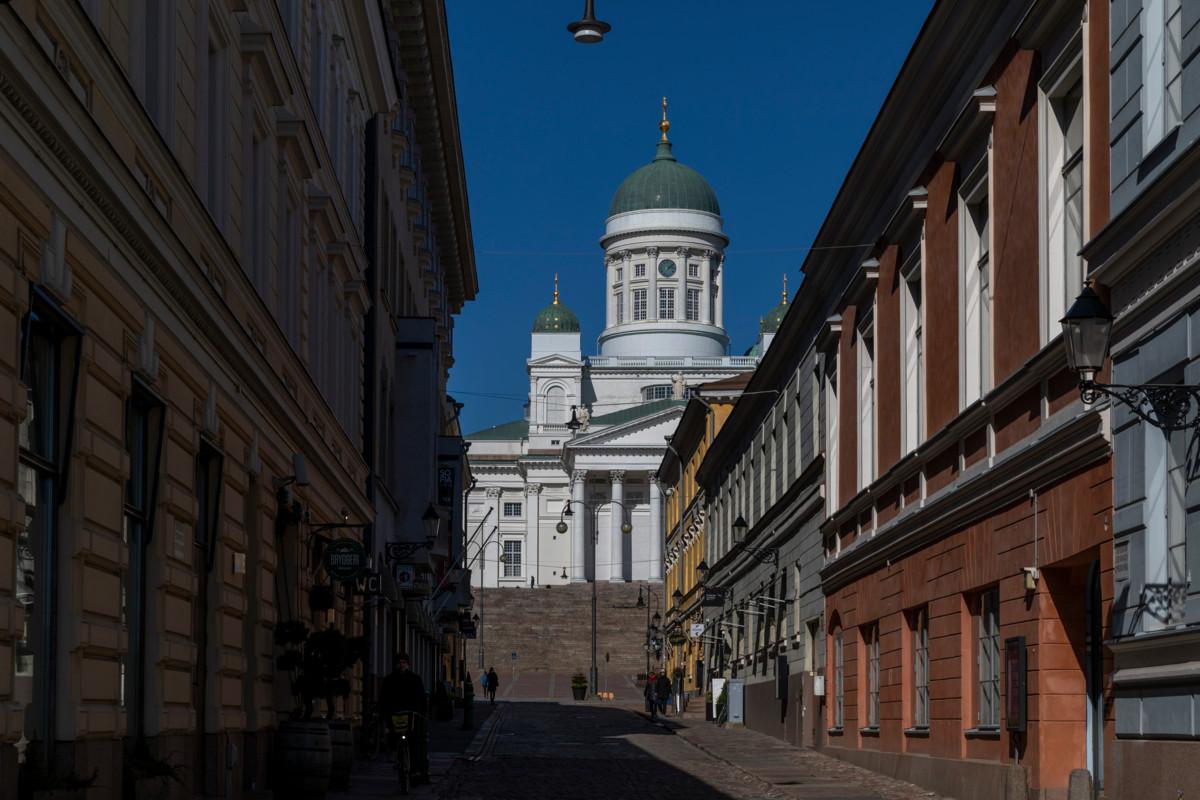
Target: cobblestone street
x=581 y=752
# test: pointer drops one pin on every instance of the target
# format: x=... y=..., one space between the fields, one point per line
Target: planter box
x=580 y=692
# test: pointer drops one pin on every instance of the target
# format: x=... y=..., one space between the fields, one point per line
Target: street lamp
x=1087 y=332
x=763 y=554
x=702 y=570
x=562 y=527
x=432 y=521
x=589 y=30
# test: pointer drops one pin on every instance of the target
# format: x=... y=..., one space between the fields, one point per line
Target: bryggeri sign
x=345 y=559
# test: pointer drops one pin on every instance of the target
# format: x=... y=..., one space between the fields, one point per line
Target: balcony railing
x=736 y=362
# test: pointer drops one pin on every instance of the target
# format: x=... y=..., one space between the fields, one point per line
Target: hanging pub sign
x=406 y=576
x=1014 y=684
x=466 y=626
x=445 y=485
x=713 y=596
x=345 y=559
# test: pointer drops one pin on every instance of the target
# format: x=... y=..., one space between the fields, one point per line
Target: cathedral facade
x=567 y=493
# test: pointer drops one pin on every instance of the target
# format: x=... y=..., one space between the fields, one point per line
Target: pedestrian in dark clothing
x=651 y=694
x=662 y=690
x=403 y=691
x=493 y=684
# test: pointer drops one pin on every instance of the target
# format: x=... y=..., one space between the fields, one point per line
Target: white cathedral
x=595 y=427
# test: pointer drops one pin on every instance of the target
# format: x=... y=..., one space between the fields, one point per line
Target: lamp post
x=1087 y=332
x=641 y=603
x=561 y=527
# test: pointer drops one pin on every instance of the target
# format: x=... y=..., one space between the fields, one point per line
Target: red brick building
x=969 y=490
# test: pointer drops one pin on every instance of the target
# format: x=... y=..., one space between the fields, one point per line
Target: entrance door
x=1094 y=654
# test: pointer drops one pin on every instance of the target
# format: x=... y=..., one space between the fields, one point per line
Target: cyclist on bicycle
x=404 y=691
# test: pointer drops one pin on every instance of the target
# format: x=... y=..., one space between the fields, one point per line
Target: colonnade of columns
x=584 y=537
x=712 y=302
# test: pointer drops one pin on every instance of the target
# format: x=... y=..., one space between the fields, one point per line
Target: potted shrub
x=150 y=775
x=318 y=661
x=708 y=707
x=579 y=686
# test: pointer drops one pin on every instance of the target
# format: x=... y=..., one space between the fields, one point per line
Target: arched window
x=556 y=405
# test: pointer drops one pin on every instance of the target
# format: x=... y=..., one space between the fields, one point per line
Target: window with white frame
x=1166 y=526
x=512 y=509
x=920 y=651
x=660 y=391
x=831 y=430
x=620 y=298
x=912 y=396
x=619 y=275
x=693 y=304
x=1062 y=179
x=871 y=642
x=975 y=290
x=866 y=402
x=988 y=631
x=639 y=270
x=512 y=558
x=839 y=688
x=639 y=304
x=693 y=269
x=1162 y=69
x=666 y=303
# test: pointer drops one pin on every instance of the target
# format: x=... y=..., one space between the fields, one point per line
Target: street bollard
x=468 y=722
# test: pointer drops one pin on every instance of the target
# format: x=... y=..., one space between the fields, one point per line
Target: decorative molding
x=147 y=363
x=616 y=475
x=533 y=489
x=652 y=252
x=56 y=272
x=493 y=492
x=579 y=476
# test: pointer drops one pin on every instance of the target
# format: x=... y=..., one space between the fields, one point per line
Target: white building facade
x=664 y=268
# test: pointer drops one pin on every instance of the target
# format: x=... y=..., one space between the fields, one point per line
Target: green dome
x=556 y=318
x=774 y=318
x=664 y=183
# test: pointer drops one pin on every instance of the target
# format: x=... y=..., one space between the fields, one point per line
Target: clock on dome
x=666 y=268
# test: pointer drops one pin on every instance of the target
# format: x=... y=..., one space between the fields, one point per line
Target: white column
x=532 y=543
x=720 y=305
x=610 y=300
x=627 y=281
x=652 y=276
x=656 y=530
x=579 y=516
x=681 y=292
x=706 y=288
x=616 y=516
x=490 y=568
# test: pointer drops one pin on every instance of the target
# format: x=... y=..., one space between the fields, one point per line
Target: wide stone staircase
x=547 y=630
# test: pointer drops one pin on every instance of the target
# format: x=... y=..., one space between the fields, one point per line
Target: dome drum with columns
x=663 y=294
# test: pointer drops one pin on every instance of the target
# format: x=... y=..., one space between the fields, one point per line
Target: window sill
x=917 y=732
x=870 y=730
x=982 y=733
x=836 y=731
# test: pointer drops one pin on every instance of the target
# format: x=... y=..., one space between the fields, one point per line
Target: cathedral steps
x=549 y=629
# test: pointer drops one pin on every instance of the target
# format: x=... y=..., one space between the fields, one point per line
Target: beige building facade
x=183 y=253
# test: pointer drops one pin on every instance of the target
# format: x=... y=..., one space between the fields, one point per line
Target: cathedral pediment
x=554 y=360
x=648 y=431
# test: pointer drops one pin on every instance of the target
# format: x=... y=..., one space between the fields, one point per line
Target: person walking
x=650 y=692
x=662 y=691
x=493 y=683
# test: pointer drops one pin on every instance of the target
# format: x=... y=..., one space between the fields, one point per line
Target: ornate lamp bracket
x=765 y=555
x=1169 y=407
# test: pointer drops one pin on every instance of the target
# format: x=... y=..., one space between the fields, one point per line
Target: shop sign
x=676 y=637
x=697 y=630
x=406 y=576
x=713 y=597
x=445 y=485
x=466 y=626
x=345 y=559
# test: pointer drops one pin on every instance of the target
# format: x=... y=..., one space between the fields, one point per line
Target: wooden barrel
x=342 y=740
x=303 y=759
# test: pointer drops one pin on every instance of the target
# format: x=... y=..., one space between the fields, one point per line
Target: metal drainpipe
x=370 y=347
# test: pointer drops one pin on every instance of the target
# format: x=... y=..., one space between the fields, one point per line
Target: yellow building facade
x=184 y=212
x=707 y=410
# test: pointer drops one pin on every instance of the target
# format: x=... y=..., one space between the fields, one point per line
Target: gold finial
x=784 y=288
x=665 y=125
x=556 y=288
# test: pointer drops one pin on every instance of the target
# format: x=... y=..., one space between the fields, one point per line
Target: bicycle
x=405 y=729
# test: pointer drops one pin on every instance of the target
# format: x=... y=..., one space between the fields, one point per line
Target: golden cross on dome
x=785 y=288
x=556 y=288
x=665 y=125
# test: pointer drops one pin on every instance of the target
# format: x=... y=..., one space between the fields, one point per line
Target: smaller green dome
x=556 y=318
x=773 y=319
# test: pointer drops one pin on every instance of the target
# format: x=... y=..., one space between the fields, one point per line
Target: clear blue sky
x=770 y=101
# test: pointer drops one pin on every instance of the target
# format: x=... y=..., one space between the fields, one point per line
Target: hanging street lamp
x=1087 y=333
x=589 y=30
